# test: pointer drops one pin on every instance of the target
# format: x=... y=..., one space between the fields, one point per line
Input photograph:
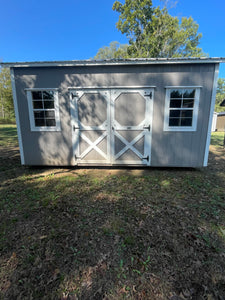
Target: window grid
x=179 y=114
x=181 y=108
x=43 y=108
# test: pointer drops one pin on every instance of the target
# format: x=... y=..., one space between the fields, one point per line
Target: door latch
x=147 y=127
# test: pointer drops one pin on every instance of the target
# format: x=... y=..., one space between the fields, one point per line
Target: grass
x=8 y=135
x=217 y=138
x=112 y=233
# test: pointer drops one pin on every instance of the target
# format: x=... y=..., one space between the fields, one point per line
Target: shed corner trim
x=213 y=100
x=17 y=115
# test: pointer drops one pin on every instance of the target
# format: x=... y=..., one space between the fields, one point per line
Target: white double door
x=112 y=126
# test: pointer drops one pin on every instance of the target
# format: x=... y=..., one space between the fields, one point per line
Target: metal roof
x=131 y=61
x=222 y=113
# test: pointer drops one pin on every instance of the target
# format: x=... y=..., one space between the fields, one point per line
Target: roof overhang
x=116 y=62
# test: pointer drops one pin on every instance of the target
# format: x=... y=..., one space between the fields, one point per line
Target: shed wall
x=181 y=149
x=220 y=125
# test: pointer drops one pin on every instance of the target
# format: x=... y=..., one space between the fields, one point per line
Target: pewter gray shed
x=140 y=112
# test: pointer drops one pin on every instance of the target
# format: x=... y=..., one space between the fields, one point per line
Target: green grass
x=118 y=234
x=8 y=135
x=217 y=138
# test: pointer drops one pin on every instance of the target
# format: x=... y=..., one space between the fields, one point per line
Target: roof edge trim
x=109 y=62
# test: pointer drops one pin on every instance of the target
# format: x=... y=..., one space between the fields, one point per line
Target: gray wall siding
x=168 y=148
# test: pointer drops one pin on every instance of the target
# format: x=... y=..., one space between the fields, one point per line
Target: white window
x=43 y=109
x=181 y=108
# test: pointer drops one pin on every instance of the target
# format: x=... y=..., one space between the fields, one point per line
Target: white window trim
x=31 y=112
x=166 y=126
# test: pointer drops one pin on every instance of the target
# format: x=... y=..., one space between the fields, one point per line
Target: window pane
x=36 y=95
x=186 y=113
x=176 y=94
x=49 y=114
x=48 y=95
x=188 y=103
x=39 y=122
x=50 y=122
x=189 y=93
x=175 y=103
x=174 y=122
x=39 y=114
x=37 y=104
x=186 y=122
x=175 y=113
x=48 y=104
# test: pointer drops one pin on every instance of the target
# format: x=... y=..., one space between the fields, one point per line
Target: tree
x=220 y=94
x=114 y=50
x=153 y=32
x=6 y=99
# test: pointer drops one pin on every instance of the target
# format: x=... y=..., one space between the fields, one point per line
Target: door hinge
x=147 y=127
x=149 y=95
x=74 y=95
x=147 y=158
x=75 y=127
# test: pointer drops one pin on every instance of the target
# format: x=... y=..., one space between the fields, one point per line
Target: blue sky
x=75 y=29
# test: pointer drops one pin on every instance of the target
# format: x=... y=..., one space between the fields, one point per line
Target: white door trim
x=78 y=128
x=147 y=94
x=111 y=127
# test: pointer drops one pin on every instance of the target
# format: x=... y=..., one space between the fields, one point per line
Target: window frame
x=33 y=127
x=195 y=109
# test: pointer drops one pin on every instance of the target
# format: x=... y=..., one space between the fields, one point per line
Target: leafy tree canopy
x=114 y=50
x=152 y=32
x=220 y=95
x=6 y=99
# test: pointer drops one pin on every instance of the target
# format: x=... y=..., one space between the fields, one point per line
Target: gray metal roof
x=222 y=113
x=131 y=61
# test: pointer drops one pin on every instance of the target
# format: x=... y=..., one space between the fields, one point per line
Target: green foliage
x=220 y=94
x=114 y=50
x=153 y=32
x=135 y=17
x=6 y=99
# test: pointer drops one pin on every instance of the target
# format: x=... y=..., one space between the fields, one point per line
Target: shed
x=136 y=112
x=220 y=123
x=214 y=121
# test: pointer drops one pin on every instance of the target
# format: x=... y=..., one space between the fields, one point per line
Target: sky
x=40 y=30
